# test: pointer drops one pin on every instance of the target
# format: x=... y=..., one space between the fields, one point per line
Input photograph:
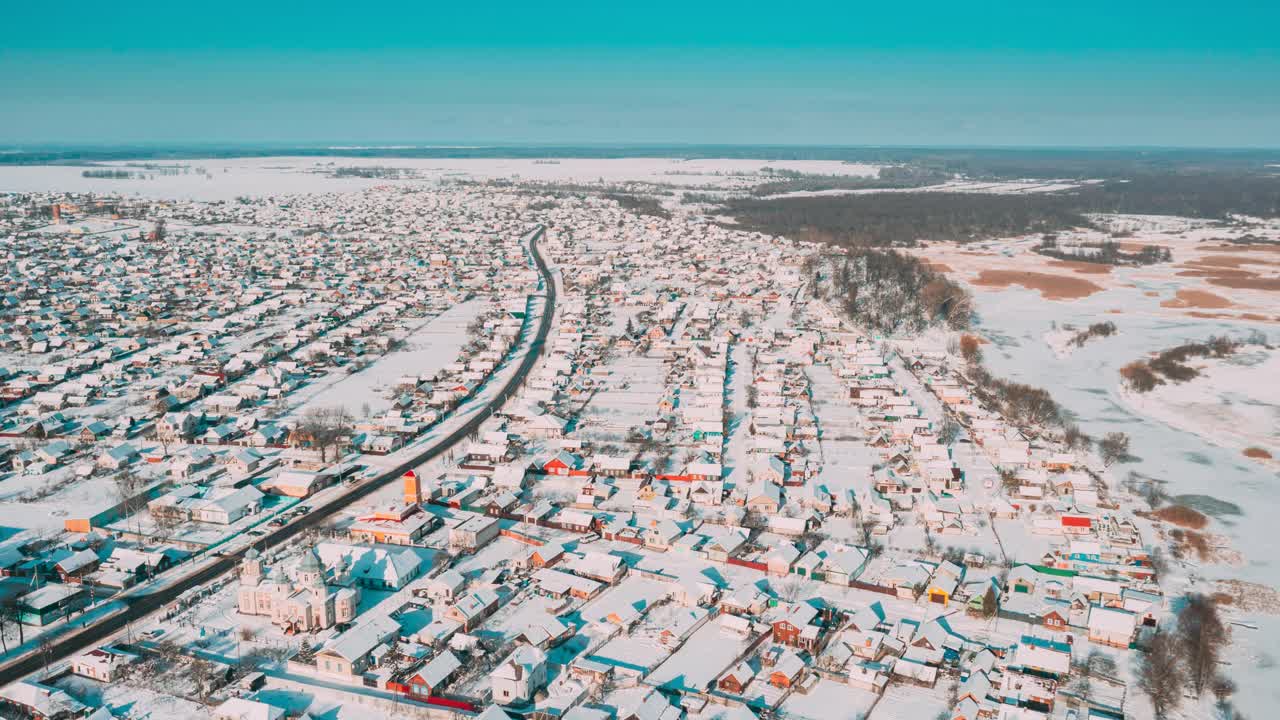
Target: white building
x=518 y=677
x=305 y=603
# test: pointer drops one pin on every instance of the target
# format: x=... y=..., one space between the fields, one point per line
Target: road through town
x=142 y=605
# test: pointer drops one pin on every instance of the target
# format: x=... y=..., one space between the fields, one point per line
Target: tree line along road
x=142 y=605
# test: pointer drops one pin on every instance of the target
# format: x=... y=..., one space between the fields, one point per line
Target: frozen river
x=1087 y=383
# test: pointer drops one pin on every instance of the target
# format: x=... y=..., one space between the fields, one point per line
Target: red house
x=563 y=463
x=1077 y=524
x=789 y=628
x=1055 y=620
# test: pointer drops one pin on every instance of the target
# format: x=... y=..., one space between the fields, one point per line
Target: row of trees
x=904 y=218
x=639 y=204
x=1171 y=365
x=112 y=174
x=1105 y=253
x=1186 y=658
x=1027 y=405
x=325 y=428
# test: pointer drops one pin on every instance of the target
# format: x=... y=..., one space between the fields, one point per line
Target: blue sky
x=923 y=73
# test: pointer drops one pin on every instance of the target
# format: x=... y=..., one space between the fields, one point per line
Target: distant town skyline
x=1144 y=74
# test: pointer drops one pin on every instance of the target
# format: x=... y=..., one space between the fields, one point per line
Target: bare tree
x=1075 y=438
x=12 y=612
x=1153 y=494
x=1114 y=448
x=164 y=439
x=1160 y=675
x=789 y=589
x=207 y=677
x=949 y=431
x=128 y=484
x=1202 y=635
x=325 y=428
x=930 y=542
x=166 y=525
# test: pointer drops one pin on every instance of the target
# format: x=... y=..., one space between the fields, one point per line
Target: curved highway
x=140 y=606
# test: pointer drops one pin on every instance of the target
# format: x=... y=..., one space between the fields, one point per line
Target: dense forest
x=904 y=218
x=638 y=204
x=379 y=172
x=888 y=291
x=1199 y=195
x=907 y=218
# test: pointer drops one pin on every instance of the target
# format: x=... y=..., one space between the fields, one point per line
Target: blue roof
x=1040 y=642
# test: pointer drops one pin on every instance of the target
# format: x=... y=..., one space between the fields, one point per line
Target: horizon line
x=11 y=147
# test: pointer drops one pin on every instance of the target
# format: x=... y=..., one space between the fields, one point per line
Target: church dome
x=311 y=562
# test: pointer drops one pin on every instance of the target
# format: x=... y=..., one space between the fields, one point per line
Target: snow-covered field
x=1188 y=437
x=1230 y=404
x=431 y=346
x=227 y=179
x=1013 y=187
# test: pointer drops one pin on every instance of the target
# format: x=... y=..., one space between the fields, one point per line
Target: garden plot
x=511 y=619
x=133 y=700
x=846 y=465
x=498 y=553
x=289 y=317
x=630 y=398
x=650 y=641
x=903 y=701
x=697 y=664
x=827 y=700
x=839 y=417
x=44 y=502
x=428 y=349
x=318 y=701
x=625 y=602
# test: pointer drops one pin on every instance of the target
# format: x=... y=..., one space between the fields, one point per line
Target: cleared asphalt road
x=139 y=606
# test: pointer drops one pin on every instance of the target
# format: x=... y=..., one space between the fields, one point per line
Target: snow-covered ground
x=227 y=179
x=1183 y=436
x=980 y=187
x=1234 y=403
x=428 y=349
x=1189 y=437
